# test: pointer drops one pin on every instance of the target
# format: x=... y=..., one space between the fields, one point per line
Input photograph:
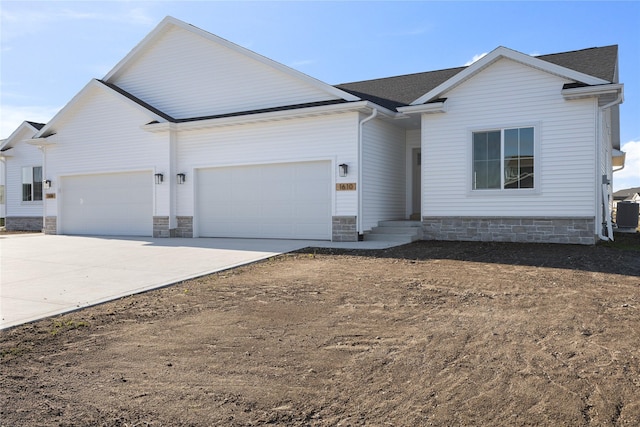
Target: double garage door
x=114 y=204
x=285 y=200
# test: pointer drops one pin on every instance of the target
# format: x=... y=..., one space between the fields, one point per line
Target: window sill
x=504 y=193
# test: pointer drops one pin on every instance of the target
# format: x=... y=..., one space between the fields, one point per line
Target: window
x=503 y=159
x=31 y=183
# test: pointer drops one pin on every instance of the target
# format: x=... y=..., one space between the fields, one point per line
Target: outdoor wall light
x=159 y=178
x=344 y=169
x=47 y=184
x=181 y=178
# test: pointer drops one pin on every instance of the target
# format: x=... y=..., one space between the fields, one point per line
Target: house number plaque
x=51 y=195
x=346 y=186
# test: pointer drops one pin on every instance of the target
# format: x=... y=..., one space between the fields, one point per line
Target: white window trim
x=31 y=202
x=505 y=192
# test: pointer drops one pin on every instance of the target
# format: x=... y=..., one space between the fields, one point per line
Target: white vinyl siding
x=383 y=159
x=509 y=94
x=102 y=134
x=21 y=155
x=185 y=75
x=117 y=204
x=332 y=137
x=284 y=200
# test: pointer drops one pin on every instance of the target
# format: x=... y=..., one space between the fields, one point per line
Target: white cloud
x=24 y=21
x=12 y=116
x=475 y=58
x=302 y=63
x=630 y=175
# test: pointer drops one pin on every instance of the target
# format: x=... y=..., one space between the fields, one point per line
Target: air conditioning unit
x=627 y=215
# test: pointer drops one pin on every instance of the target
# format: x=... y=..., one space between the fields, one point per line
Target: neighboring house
x=191 y=135
x=21 y=180
x=627 y=195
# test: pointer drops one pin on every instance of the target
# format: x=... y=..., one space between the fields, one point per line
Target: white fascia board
x=139 y=48
x=93 y=83
x=171 y=21
x=130 y=101
x=503 y=52
x=592 y=91
x=4 y=154
x=8 y=142
x=362 y=106
x=431 y=108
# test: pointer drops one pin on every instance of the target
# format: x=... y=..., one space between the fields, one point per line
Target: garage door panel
x=288 y=200
x=107 y=204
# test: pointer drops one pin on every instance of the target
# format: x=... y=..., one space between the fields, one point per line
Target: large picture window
x=31 y=183
x=503 y=159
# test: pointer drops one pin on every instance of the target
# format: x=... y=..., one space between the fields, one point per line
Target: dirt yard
x=427 y=334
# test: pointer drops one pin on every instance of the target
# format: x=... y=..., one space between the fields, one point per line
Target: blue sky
x=51 y=49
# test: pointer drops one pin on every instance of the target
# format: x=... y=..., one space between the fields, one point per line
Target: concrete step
x=400 y=223
x=405 y=231
x=395 y=230
x=402 y=238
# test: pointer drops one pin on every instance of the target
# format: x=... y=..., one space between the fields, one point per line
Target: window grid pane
x=503 y=159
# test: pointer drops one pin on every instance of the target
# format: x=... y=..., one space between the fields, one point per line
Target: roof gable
x=187 y=72
x=68 y=109
x=503 y=52
x=25 y=130
x=397 y=91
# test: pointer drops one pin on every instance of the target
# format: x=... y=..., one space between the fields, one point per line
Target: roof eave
x=430 y=108
x=45 y=131
x=358 y=106
x=592 y=91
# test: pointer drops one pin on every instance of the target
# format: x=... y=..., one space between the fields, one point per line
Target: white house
x=21 y=180
x=191 y=135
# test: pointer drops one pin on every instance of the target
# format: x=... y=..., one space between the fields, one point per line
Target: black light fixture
x=181 y=178
x=344 y=169
x=159 y=178
x=47 y=184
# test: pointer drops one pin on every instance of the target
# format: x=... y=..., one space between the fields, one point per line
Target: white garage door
x=115 y=204
x=287 y=201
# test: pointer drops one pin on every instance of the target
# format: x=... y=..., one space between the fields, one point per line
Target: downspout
x=360 y=166
x=604 y=190
x=3 y=159
x=43 y=148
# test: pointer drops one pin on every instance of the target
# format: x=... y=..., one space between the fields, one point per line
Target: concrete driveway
x=42 y=276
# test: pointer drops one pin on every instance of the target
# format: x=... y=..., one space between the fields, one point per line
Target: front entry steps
x=405 y=231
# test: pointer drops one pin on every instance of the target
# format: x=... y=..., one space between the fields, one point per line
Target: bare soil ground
x=431 y=333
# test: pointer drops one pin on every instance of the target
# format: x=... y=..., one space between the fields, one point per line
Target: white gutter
x=590 y=91
x=605 y=185
x=270 y=116
x=360 y=174
x=431 y=108
x=621 y=156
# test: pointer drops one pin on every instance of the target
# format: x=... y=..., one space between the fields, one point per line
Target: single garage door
x=115 y=204
x=285 y=200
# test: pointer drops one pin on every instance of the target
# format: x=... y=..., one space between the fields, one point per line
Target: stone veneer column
x=184 y=228
x=161 y=226
x=344 y=229
x=51 y=225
